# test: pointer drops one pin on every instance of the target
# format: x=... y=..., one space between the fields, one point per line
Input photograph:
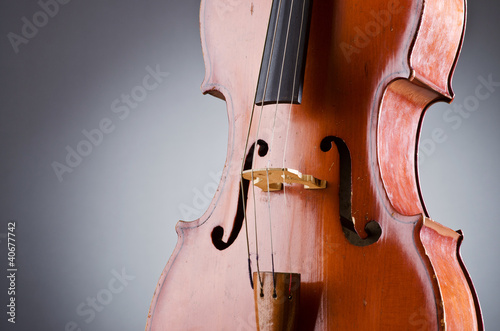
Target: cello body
x=372 y=69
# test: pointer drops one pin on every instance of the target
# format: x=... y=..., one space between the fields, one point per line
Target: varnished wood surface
x=277 y=301
x=369 y=91
x=442 y=247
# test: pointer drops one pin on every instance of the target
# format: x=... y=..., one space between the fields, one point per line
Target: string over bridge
x=278 y=176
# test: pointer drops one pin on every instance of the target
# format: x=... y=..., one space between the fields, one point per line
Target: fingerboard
x=282 y=71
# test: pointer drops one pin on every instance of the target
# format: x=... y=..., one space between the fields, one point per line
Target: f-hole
x=345 y=196
x=218 y=231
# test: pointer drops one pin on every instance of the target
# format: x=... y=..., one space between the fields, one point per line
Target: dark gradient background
x=116 y=211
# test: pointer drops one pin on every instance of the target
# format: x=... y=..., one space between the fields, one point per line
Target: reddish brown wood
x=368 y=81
x=276 y=310
x=440 y=35
x=442 y=247
x=402 y=106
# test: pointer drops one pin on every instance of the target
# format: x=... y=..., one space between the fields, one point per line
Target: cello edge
x=442 y=247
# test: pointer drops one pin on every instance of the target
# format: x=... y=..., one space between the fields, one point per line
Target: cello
x=318 y=222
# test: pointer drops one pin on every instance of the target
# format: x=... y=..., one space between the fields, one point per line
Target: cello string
x=256 y=139
x=271 y=231
x=272 y=141
x=290 y=115
x=245 y=214
x=245 y=218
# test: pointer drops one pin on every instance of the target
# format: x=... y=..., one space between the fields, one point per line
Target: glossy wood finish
x=276 y=310
x=402 y=106
x=366 y=82
x=442 y=247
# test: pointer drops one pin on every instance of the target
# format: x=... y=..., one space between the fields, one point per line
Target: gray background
x=116 y=211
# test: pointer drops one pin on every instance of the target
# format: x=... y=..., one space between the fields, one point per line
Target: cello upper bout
x=232 y=38
x=440 y=34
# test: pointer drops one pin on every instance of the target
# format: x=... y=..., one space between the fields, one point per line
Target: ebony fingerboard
x=282 y=71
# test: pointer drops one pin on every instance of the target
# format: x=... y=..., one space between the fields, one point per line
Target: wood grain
x=372 y=69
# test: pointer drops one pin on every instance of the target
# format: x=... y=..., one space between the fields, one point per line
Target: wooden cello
x=318 y=222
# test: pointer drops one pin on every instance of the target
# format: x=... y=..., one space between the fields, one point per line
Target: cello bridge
x=272 y=179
